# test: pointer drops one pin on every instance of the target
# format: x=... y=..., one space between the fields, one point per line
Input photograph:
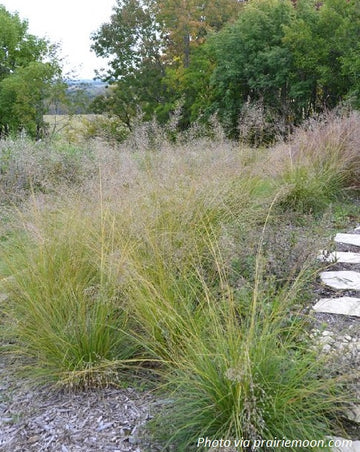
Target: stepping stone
x=349 y=239
x=353 y=414
x=341 y=280
x=339 y=256
x=342 y=305
x=345 y=445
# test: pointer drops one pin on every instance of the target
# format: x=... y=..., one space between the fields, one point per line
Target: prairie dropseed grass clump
x=321 y=163
x=63 y=315
x=183 y=263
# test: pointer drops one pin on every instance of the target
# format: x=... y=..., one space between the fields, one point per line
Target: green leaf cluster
x=150 y=46
x=28 y=67
x=287 y=60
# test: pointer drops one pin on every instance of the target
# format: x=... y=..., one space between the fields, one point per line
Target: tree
x=322 y=40
x=149 y=44
x=289 y=61
x=28 y=68
x=186 y=24
x=132 y=41
x=252 y=65
x=22 y=97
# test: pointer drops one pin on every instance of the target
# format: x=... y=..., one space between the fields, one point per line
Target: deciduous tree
x=28 y=68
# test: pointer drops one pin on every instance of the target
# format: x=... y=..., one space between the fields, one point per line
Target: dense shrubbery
x=165 y=261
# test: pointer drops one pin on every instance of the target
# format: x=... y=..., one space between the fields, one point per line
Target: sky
x=69 y=22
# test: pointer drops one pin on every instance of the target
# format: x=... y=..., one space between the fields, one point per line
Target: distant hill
x=80 y=93
x=91 y=87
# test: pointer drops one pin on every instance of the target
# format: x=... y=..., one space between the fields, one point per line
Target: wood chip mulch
x=49 y=420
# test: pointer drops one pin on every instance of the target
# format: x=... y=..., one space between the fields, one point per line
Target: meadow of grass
x=78 y=128
x=187 y=264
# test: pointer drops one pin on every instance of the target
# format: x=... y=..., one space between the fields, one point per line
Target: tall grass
x=160 y=256
x=247 y=375
x=64 y=315
x=320 y=163
x=236 y=372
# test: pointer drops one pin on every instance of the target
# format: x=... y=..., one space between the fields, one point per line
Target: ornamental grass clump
x=63 y=316
x=93 y=275
x=320 y=164
x=248 y=375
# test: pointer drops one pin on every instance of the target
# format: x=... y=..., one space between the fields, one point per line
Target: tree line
x=261 y=66
x=270 y=63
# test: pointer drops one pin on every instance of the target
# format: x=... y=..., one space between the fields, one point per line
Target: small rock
x=33 y=439
x=327 y=333
x=353 y=414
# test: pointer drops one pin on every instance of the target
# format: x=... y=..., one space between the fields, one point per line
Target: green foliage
x=18 y=47
x=286 y=62
x=22 y=98
x=231 y=58
x=133 y=42
x=109 y=128
x=310 y=190
x=322 y=165
x=319 y=40
x=27 y=167
x=25 y=78
x=236 y=382
x=251 y=63
x=150 y=44
x=69 y=321
x=294 y=61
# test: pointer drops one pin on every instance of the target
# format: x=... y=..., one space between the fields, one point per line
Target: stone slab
x=342 y=280
x=341 y=305
x=349 y=239
x=339 y=256
x=353 y=447
x=353 y=414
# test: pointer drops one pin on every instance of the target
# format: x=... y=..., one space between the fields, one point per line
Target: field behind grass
x=184 y=265
x=79 y=128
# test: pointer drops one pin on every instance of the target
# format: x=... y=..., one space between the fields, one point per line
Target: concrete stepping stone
x=341 y=305
x=353 y=414
x=339 y=256
x=349 y=239
x=347 y=445
x=342 y=280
